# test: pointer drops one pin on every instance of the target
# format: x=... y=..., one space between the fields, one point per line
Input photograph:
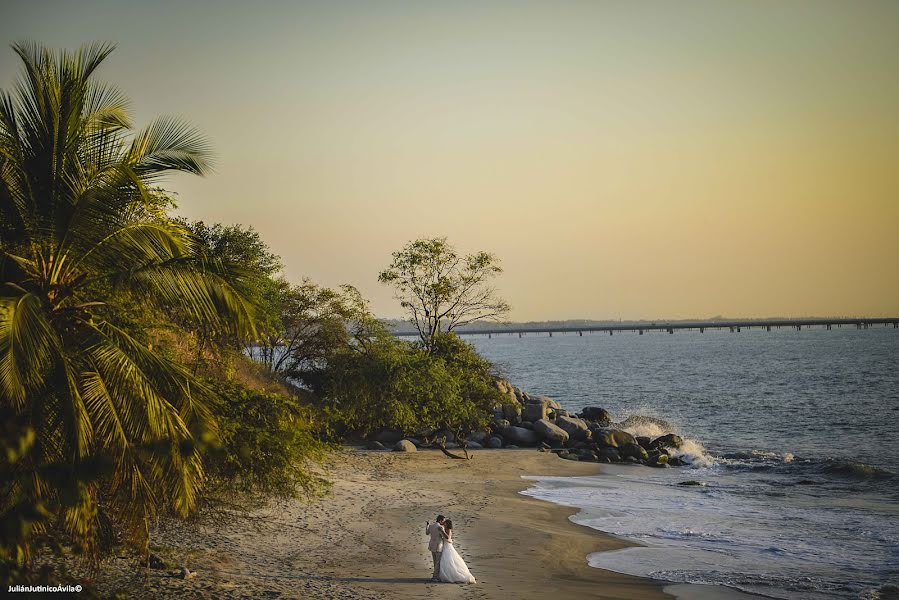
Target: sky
x=624 y=160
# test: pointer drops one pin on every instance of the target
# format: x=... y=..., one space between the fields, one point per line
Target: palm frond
x=26 y=339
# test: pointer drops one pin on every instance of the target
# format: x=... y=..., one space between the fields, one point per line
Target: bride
x=452 y=568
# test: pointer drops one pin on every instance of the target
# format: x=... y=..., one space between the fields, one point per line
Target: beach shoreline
x=366 y=539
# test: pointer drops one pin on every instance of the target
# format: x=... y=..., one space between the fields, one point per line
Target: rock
x=692 y=483
x=154 y=562
x=671 y=440
x=520 y=435
x=631 y=459
x=563 y=453
x=447 y=436
x=511 y=412
x=610 y=454
x=451 y=445
x=537 y=408
x=558 y=412
x=404 y=446
x=478 y=436
x=474 y=446
x=676 y=461
x=526 y=425
x=888 y=591
x=631 y=450
x=595 y=413
x=500 y=423
x=572 y=425
x=614 y=438
x=657 y=459
x=571 y=457
x=494 y=442
x=644 y=441
x=388 y=436
x=511 y=447
x=533 y=412
x=373 y=445
x=185 y=573
x=550 y=431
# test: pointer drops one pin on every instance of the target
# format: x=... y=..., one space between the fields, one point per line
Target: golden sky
x=624 y=159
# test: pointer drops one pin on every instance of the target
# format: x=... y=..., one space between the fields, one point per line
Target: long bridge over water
x=734 y=325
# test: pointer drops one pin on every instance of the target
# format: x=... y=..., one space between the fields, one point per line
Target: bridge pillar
x=866 y=325
x=489 y=336
x=550 y=334
x=702 y=330
x=580 y=334
x=641 y=332
x=738 y=330
x=768 y=328
x=731 y=329
x=610 y=332
x=670 y=330
x=828 y=327
x=896 y=325
x=519 y=334
x=799 y=328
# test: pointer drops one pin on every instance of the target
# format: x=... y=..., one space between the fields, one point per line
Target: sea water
x=793 y=439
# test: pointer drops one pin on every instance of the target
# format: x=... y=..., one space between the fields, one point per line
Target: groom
x=437 y=533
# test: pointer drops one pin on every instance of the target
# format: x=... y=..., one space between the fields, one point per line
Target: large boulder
x=631 y=450
x=572 y=425
x=538 y=407
x=534 y=411
x=671 y=440
x=550 y=431
x=374 y=445
x=614 y=438
x=494 y=442
x=609 y=454
x=404 y=446
x=601 y=416
x=520 y=435
x=388 y=436
x=478 y=437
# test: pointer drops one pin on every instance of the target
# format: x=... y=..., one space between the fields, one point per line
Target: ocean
x=793 y=440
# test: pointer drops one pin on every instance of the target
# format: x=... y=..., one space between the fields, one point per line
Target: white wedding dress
x=452 y=568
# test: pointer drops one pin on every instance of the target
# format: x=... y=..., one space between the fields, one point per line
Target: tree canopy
x=443 y=290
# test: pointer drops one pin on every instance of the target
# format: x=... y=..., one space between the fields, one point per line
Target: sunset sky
x=623 y=159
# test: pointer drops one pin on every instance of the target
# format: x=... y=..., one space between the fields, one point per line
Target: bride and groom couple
x=448 y=565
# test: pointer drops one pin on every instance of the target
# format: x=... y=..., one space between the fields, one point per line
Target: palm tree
x=84 y=240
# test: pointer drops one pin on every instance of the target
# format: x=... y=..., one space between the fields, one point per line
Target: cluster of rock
x=522 y=420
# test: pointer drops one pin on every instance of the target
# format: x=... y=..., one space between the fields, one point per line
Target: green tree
x=443 y=290
x=83 y=239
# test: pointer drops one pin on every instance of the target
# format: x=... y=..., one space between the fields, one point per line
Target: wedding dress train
x=452 y=568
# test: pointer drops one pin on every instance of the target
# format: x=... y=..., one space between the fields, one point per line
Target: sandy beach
x=366 y=538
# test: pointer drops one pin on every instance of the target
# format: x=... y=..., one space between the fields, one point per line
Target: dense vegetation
x=126 y=388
